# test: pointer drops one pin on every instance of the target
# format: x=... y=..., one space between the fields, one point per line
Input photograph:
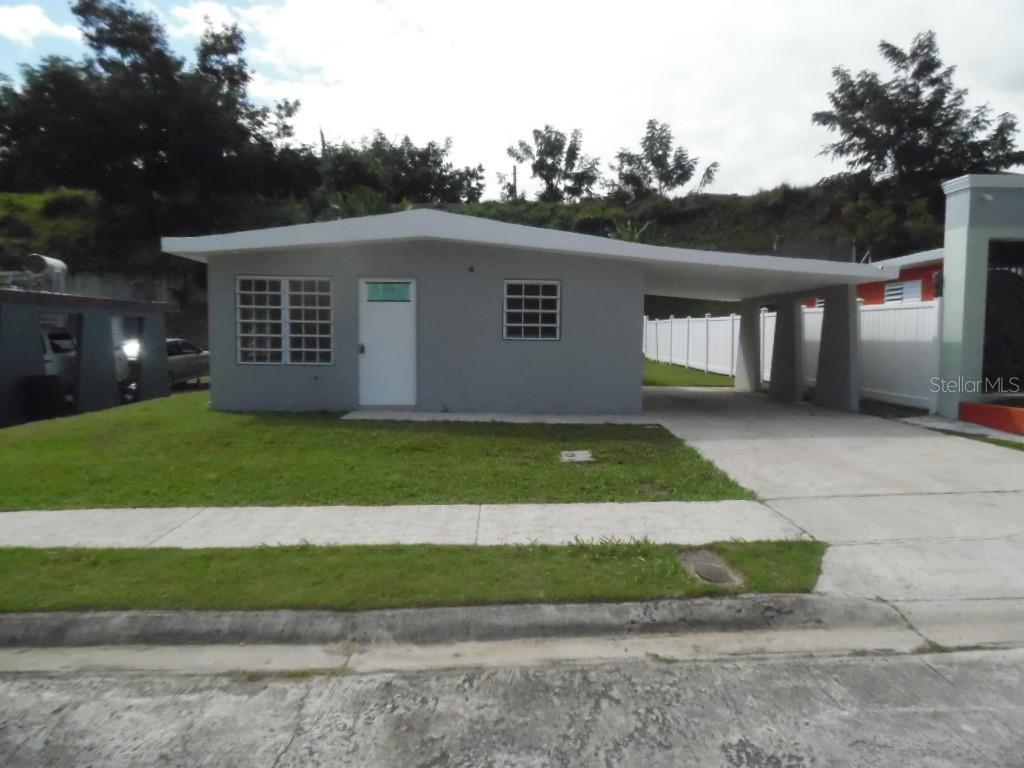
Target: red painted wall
x=874 y=293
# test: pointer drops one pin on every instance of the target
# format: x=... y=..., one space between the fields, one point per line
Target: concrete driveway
x=911 y=514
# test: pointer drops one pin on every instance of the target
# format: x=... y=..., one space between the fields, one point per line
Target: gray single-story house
x=442 y=312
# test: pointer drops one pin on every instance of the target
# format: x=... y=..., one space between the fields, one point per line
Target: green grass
x=367 y=577
x=1017 y=446
x=1004 y=443
x=665 y=375
x=59 y=221
x=178 y=452
x=985 y=439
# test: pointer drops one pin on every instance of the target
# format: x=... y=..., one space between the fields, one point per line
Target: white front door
x=387 y=341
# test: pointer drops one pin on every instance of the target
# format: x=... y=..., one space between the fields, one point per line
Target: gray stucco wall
x=463 y=363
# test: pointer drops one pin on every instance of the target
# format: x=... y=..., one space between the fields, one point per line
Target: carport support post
x=21 y=355
x=838 y=370
x=97 y=373
x=787 y=370
x=748 y=359
x=154 y=380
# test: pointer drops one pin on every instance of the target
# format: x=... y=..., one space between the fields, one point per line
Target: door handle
x=362 y=349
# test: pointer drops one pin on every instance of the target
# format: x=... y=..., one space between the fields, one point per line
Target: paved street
x=955 y=710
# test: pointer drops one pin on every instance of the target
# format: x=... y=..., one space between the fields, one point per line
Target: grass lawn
x=366 y=577
x=177 y=452
x=665 y=375
x=1017 y=446
x=1004 y=443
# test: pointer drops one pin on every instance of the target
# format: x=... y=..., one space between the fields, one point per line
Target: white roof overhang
x=684 y=272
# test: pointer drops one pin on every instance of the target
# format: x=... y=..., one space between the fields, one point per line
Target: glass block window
x=259 y=307
x=532 y=309
x=309 y=321
x=284 y=320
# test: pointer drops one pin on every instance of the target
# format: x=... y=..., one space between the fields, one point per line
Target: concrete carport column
x=21 y=355
x=97 y=377
x=748 y=358
x=787 y=364
x=154 y=380
x=837 y=384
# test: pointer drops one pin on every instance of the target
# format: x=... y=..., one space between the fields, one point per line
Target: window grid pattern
x=284 y=320
x=532 y=310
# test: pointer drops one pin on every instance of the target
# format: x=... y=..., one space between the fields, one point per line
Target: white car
x=185 y=361
x=60 y=358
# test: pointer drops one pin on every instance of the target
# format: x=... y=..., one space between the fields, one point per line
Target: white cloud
x=191 y=20
x=24 y=23
x=737 y=80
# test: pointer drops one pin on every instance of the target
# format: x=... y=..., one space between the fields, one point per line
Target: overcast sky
x=736 y=80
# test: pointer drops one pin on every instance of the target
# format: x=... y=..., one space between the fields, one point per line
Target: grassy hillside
x=819 y=221
x=823 y=221
x=59 y=222
x=804 y=219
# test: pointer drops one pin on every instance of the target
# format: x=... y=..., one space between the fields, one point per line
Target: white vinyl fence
x=899 y=347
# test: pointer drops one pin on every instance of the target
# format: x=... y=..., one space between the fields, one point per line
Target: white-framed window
x=284 y=320
x=905 y=290
x=532 y=310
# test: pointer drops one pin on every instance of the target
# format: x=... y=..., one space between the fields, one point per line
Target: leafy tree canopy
x=378 y=173
x=558 y=161
x=659 y=167
x=136 y=122
x=915 y=129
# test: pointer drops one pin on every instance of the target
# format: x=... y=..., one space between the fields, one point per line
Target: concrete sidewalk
x=669 y=522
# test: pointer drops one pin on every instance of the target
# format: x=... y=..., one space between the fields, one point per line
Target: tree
x=137 y=123
x=400 y=171
x=559 y=163
x=659 y=167
x=914 y=130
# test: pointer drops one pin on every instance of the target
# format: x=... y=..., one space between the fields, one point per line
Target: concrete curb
x=443 y=625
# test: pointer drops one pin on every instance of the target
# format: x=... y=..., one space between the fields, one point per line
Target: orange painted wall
x=874 y=293
x=1002 y=417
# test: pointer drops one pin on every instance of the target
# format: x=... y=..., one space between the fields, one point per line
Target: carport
x=754 y=281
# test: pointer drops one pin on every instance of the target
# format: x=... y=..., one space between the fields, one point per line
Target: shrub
x=13 y=225
x=67 y=203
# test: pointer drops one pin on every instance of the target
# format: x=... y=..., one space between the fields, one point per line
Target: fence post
x=732 y=344
x=687 y=363
x=643 y=345
x=707 y=340
x=671 y=325
x=764 y=313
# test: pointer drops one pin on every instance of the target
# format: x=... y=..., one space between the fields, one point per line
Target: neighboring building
x=437 y=311
x=58 y=355
x=918 y=277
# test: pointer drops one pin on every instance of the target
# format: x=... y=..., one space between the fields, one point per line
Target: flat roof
x=72 y=301
x=914 y=259
x=684 y=272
